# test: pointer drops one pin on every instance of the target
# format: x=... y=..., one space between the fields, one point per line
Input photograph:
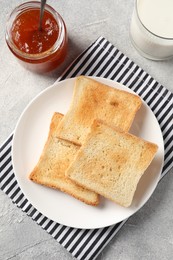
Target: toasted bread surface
x=111 y=163
x=55 y=159
x=92 y=99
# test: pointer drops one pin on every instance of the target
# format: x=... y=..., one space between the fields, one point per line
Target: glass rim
x=34 y=5
x=154 y=34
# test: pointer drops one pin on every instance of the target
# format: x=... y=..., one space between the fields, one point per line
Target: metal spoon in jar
x=43 y=2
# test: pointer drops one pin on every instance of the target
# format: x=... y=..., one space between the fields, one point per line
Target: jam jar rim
x=35 y=5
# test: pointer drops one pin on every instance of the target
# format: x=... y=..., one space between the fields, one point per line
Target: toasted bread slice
x=91 y=100
x=55 y=159
x=111 y=163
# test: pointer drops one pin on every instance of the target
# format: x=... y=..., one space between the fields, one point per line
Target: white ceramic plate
x=29 y=138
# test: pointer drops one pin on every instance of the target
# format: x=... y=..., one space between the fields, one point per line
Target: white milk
x=152 y=28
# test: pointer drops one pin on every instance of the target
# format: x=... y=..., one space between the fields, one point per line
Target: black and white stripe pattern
x=104 y=60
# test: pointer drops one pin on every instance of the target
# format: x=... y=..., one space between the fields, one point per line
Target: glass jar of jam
x=37 y=50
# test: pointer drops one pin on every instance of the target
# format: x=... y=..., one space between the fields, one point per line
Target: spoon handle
x=43 y=2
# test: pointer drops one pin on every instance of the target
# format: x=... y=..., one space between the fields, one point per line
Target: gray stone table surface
x=149 y=233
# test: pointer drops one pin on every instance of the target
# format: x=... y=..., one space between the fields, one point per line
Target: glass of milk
x=151 y=28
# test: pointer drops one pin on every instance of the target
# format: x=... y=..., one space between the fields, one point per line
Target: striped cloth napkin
x=104 y=60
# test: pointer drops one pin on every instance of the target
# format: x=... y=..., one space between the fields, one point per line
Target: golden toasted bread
x=91 y=100
x=111 y=163
x=55 y=159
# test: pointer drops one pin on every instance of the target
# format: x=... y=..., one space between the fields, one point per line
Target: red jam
x=38 y=50
x=27 y=36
